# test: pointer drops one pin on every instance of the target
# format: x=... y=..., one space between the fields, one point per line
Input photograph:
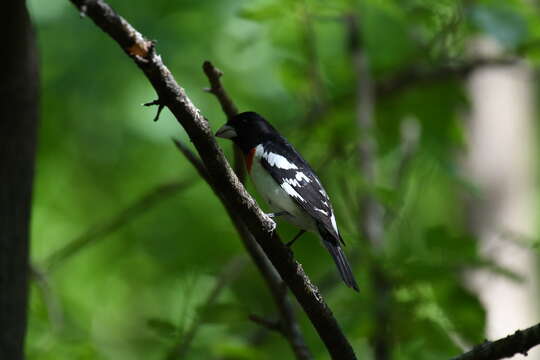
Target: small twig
x=51 y=301
x=193 y=159
x=272 y=325
x=519 y=342
x=229 y=108
x=229 y=273
x=157 y=103
x=214 y=74
x=97 y=232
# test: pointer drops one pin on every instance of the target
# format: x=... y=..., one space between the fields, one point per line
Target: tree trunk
x=501 y=161
x=18 y=122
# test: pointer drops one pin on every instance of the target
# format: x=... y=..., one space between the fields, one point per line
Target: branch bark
x=19 y=107
x=235 y=197
x=519 y=342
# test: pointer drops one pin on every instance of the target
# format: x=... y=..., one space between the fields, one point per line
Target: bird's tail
x=342 y=264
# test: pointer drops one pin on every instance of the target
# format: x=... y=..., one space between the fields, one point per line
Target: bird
x=287 y=183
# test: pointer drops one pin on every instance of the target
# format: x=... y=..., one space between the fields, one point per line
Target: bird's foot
x=159 y=103
x=272 y=225
x=290 y=243
x=276 y=214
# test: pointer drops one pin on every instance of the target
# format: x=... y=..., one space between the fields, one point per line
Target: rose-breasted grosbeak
x=287 y=182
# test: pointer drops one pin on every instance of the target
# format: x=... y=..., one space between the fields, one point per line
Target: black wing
x=298 y=179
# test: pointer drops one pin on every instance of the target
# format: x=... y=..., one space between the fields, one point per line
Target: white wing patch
x=297 y=181
x=322 y=211
x=334 y=225
x=274 y=159
x=292 y=182
x=290 y=190
x=301 y=176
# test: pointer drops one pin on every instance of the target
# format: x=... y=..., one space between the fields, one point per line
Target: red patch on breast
x=249 y=159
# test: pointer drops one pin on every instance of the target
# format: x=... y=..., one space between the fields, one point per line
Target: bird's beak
x=226 y=132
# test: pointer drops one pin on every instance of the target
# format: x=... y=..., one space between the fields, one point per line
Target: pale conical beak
x=226 y=132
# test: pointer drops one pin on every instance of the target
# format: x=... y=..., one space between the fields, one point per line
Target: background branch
x=519 y=342
x=271 y=325
x=229 y=108
x=371 y=213
x=416 y=76
x=50 y=299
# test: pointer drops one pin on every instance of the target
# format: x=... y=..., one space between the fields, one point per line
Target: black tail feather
x=342 y=264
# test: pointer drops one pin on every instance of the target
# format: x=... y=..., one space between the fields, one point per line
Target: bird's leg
x=290 y=243
x=271 y=217
x=276 y=214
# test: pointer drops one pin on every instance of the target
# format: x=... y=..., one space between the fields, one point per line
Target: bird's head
x=247 y=130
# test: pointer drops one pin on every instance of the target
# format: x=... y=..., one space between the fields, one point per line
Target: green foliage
x=134 y=293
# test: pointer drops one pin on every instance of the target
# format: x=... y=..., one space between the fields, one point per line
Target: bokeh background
x=133 y=255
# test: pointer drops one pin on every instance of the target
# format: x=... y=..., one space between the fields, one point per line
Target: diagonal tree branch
x=235 y=197
x=97 y=232
x=266 y=323
x=50 y=299
x=519 y=342
x=288 y=324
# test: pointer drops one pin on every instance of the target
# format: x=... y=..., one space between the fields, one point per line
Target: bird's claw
x=272 y=225
x=276 y=214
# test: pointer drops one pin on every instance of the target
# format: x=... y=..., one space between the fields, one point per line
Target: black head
x=247 y=130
